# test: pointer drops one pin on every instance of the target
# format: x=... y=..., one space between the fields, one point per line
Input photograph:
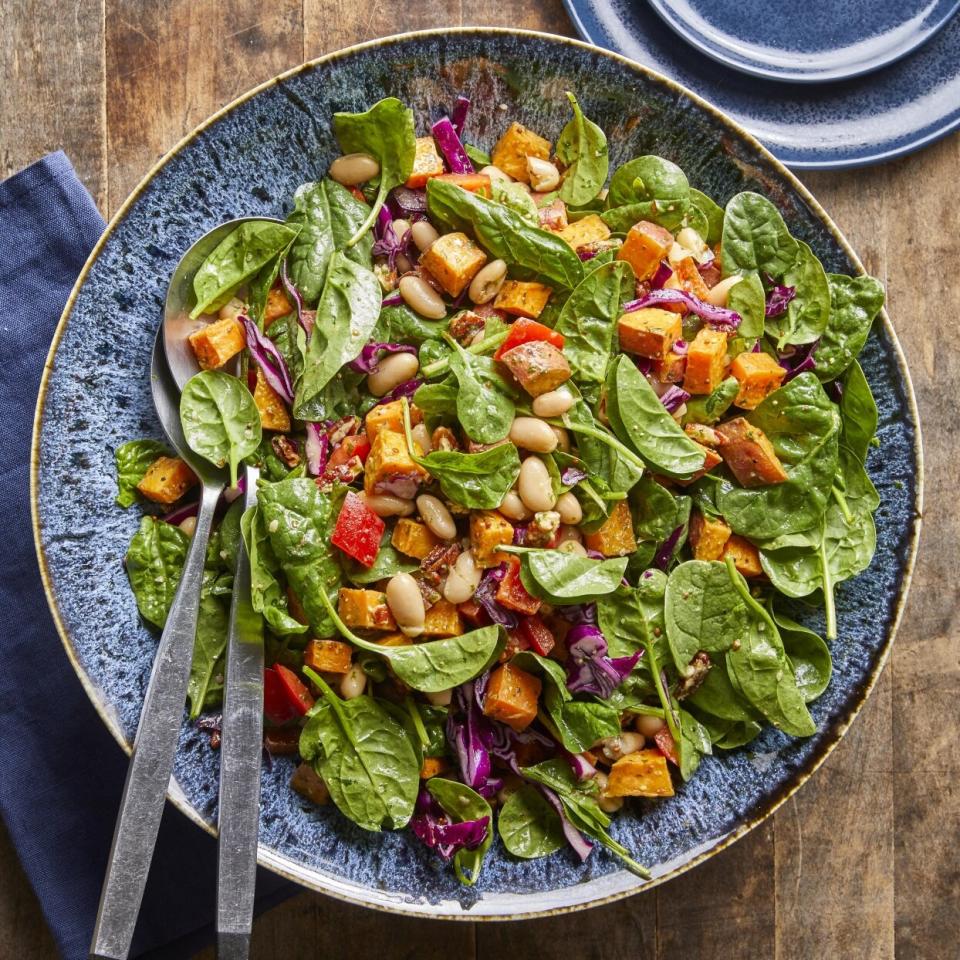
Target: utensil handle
x=241 y=749
x=154 y=746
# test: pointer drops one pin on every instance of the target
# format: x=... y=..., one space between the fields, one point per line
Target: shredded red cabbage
x=720 y=318
x=799 y=360
x=578 y=612
x=779 y=299
x=519 y=534
x=674 y=398
x=176 y=517
x=450 y=146
x=393 y=300
x=388 y=244
x=589 y=669
x=460 y=112
x=234 y=493
x=585 y=253
x=663 y=274
x=661 y=559
x=680 y=348
x=318 y=447
x=471 y=737
x=407 y=203
x=644 y=364
x=581 y=845
x=485 y=595
x=369 y=359
x=582 y=768
x=269 y=360
x=406 y=389
x=431 y=824
x=571 y=476
x=294 y=295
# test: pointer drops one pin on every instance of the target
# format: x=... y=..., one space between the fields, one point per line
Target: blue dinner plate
x=851 y=123
x=823 y=41
x=248 y=160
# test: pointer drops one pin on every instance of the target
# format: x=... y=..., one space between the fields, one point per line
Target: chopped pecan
x=443 y=438
x=286 y=449
x=465 y=326
x=437 y=563
x=699 y=668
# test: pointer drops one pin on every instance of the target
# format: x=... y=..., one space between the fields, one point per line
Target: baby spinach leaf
x=808 y=312
x=389 y=561
x=582 y=149
x=808 y=654
x=205 y=685
x=154 y=561
x=712 y=214
x=437 y=399
x=755 y=238
x=385 y=132
x=133 y=459
x=531 y=252
x=327 y=216
x=561 y=578
x=479 y=158
x=346 y=315
x=364 y=757
x=220 y=421
x=237 y=258
x=461 y=804
x=718 y=697
x=529 y=827
x=730 y=734
x=747 y=298
x=694 y=744
x=632 y=618
x=639 y=418
x=485 y=401
x=647 y=188
x=516 y=198
x=401 y=325
x=588 y=324
x=858 y=411
x=713 y=406
x=854 y=305
x=657 y=513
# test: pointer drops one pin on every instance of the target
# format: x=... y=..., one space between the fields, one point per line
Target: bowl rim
x=347 y=891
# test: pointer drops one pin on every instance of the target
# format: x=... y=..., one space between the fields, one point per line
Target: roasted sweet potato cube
x=671 y=368
x=749 y=454
x=758 y=375
x=296 y=607
x=306 y=781
x=167 y=479
x=710 y=459
x=471 y=182
x=218 y=342
x=453 y=260
x=686 y=277
x=522 y=299
x=442 y=620
x=389 y=416
x=641 y=774
x=746 y=557
x=488 y=531
x=413 y=538
x=615 y=537
x=646 y=245
x=512 y=697
x=588 y=230
x=390 y=468
x=708 y=536
x=277 y=306
x=365 y=609
x=706 y=362
x=512 y=149
x=427 y=163
x=432 y=767
x=273 y=412
x=328 y=656
x=538 y=366
x=649 y=332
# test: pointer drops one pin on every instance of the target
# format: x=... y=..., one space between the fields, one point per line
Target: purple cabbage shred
x=581 y=845
x=393 y=300
x=719 y=318
x=799 y=360
x=431 y=825
x=485 y=595
x=407 y=203
x=406 y=389
x=369 y=359
x=674 y=398
x=294 y=295
x=571 y=476
x=663 y=274
x=460 y=112
x=318 y=448
x=388 y=244
x=779 y=299
x=269 y=360
x=666 y=550
x=450 y=146
x=589 y=669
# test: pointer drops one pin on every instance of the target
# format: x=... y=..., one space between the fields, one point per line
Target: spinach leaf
x=640 y=420
x=327 y=216
x=531 y=252
x=858 y=411
x=588 y=323
x=802 y=424
x=387 y=563
x=561 y=578
x=386 y=132
x=808 y=312
x=220 y=421
x=237 y=258
x=694 y=744
x=133 y=459
x=529 y=827
x=656 y=514
x=748 y=299
x=582 y=149
x=854 y=304
x=364 y=757
x=437 y=399
x=154 y=561
x=485 y=401
x=730 y=734
x=460 y=804
x=205 y=686
x=647 y=188
x=229 y=535
x=713 y=406
x=632 y=618
x=258 y=288
x=401 y=325
x=346 y=315
x=808 y=654
x=516 y=198
x=299 y=521
x=479 y=158
x=712 y=214
x=718 y=697
x=755 y=238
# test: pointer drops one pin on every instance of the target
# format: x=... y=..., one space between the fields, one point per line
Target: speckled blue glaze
x=851 y=123
x=249 y=162
x=830 y=41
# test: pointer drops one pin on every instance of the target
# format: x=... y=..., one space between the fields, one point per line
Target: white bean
x=463 y=579
x=689 y=238
x=403 y=264
x=529 y=433
x=569 y=533
x=188 y=525
x=720 y=294
x=387 y=505
x=573 y=546
x=513 y=508
x=420 y=297
x=678 y=253
x=424 y=235
x=534 y=485
x=400 y=227
x=441 y=698
x=495 y=173
x=421 y=437
x=553 y=404
x=436 y=516
x=563 y=438
x=354 y=682
x=354 y=168
x=648 y=726
x=616 y=747
x=544 y=176
x=231 y=308
x=610 y=804
x=406 y=604
x=488 y=281
x=391 y=372
x=568 y=506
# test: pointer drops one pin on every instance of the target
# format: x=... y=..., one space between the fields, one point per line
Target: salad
x=545 y=456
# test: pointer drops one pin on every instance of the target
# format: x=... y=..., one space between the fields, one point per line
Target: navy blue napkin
x=61 y=773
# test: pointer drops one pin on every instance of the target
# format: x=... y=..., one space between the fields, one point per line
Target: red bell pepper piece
x=516 y=641
x=538 y=635
x=358 y=530
x=348 y=448
x=512 y=594
x=523 y=331
x=664 y=741
x=285 y=698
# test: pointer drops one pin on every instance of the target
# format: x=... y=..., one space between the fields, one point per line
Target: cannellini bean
x=441 y=698
x=400 y=227
x=513 y=508
x=648 y=726
x=231 y=309
x=421 y=437
x=553 y=404
x=188 y=525
x=689 y=238
x=568 y=506
x=463 y=579
x=535 y=486
x=616 y=747
x=354 y=168
x=544 y=176
x=436 y=516
x=677 y=253
x=569 y=533
x=529 y=433
x=387 y=505
x=495 y=173
x=563 y=438
x=391 y=372
x=720 y=294
x=424 y=235
x=403 y=264
x=406 y=604
x=488 y=281
x=420 y=297
x=354 y=682
x=573 y=546
x=607 y=804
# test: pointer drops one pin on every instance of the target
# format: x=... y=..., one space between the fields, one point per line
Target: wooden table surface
x=863 y=862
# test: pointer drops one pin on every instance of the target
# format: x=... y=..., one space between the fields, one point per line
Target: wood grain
x=862 y=862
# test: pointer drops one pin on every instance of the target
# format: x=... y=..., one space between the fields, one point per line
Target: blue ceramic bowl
x=248 y=159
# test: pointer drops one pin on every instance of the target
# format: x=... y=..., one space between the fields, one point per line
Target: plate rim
x=359 y=894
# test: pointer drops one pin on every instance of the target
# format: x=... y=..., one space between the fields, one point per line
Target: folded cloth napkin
x=61 y=773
